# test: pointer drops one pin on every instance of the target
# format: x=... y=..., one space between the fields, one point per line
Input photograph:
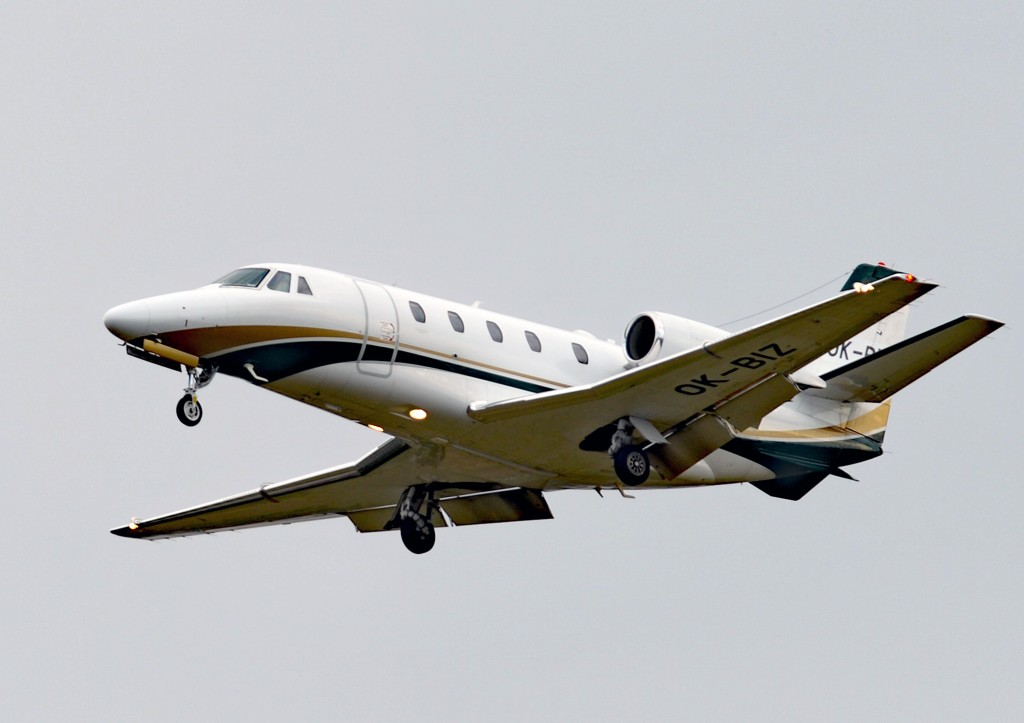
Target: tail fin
x=842 y=420
x=872 y=340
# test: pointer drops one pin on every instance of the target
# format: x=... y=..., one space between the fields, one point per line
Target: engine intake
x=653 y=334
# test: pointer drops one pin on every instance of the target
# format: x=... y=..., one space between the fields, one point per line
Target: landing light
x=375 y=427
x=418 y=414
x=133 y=525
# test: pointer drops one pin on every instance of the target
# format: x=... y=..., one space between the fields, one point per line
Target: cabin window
x=417 y=312
x=456 y=321
x=303 y=286
x=282 y=281
x=532 y=340
x=250 y=278
x=495 y=331
x=581 y=353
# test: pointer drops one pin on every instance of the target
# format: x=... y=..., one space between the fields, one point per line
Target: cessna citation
x=487 y=412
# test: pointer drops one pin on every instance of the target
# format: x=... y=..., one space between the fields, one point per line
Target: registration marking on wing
x=752 y=360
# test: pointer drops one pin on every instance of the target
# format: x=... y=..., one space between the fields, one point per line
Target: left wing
x=474 y=491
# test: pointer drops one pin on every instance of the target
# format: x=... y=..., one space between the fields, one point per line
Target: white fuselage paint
x=382 y=391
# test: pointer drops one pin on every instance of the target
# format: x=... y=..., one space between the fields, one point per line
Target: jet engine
x=653 y=335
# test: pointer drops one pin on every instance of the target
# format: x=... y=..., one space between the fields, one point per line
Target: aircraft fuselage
x=410 y=364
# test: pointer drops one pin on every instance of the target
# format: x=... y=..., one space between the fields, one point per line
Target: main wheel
x=418 y=539
x=189 y=411
x=632 y=465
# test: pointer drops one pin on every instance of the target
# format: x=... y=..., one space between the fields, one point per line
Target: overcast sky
x=572 y=163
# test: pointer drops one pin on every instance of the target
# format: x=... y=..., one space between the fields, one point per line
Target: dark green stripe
x=795 y=458
x=274 y=361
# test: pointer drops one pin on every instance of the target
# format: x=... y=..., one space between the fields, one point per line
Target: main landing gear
x=190 y=412
x=415 y=509
x=632 y=465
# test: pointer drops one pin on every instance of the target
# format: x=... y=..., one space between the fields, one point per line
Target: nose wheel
x=190 y=412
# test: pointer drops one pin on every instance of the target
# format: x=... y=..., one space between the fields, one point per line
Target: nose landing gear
x=189 y=411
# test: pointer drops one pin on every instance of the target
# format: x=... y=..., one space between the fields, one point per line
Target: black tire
x=190 y=413
x=632 y=465
x=417 y=539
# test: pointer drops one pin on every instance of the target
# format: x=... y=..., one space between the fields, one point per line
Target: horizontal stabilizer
x=877 y=377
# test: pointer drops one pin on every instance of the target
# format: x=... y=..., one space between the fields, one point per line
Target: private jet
x=486 y=413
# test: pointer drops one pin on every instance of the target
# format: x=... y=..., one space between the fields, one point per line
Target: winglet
x=866 y=274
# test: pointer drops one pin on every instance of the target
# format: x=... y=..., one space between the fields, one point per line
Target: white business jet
x=486 y=412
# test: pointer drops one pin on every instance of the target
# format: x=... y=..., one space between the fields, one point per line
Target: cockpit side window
x=304 y=286
x=250 y=278
x=282 y=281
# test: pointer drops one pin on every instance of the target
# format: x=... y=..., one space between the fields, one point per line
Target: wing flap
x=699 y=437
x=877 y=377
x=504 y=506
x=376 y=520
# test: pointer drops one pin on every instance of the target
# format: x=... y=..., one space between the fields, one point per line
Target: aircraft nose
x=128 y=321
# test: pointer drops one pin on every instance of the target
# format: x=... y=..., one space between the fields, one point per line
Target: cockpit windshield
x=250 y=278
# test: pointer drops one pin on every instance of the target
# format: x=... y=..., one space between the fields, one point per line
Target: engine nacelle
x=652 y=335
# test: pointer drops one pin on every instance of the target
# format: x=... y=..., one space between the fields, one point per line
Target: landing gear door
x=380 y=330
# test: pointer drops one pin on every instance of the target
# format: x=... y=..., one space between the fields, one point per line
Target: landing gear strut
x=414 y=522
x=190 y=412
x=632 y=466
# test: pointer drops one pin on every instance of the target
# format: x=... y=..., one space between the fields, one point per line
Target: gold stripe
x=213 y=339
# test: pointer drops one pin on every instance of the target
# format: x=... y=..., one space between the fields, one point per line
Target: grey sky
x=573 y=164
